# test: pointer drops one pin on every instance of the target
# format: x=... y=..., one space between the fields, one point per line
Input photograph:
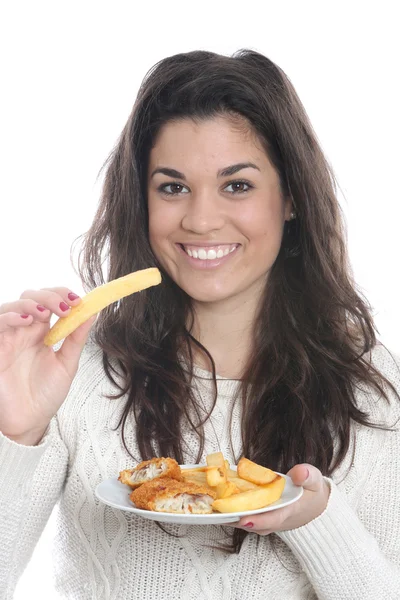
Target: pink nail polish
x=249 y=525
x=64 y=306
x=72 y=296
x=40 y=308
x=24 y=316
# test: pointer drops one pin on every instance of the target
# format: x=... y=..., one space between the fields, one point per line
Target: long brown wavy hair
x=313 y=326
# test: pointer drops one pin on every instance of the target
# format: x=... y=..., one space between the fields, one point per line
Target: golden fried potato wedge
x=231 y=473
x=243 y=485
x=201 y=469
x=199 y=479
x=255 y=473
x=99 y=298
x=226 y=489
x=253 y=499
x=216 y=473
x=195 y=477
x=215 y=476
x=216 y=459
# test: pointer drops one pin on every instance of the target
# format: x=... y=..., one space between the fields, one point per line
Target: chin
x=208 y=296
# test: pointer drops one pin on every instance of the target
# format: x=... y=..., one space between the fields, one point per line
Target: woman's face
x=216 y=211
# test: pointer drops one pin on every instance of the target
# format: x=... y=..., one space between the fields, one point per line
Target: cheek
x=263 y=224
x=159 y=223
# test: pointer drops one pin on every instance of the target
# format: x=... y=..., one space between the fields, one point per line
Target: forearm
x=30 y=483
x=341 y=558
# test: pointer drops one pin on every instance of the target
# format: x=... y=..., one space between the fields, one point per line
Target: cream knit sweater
x=352 y=551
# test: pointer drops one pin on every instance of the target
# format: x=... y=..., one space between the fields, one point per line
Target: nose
x=203 y=214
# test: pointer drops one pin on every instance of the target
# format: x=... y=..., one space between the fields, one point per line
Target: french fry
x=226 y=489
x=99 y=298
x=215 y=476
x=216 y=473
x=201 y=469
x=231 y=473
x=253 y=499
x=216 y=459
x=243 y=485
x=255 y=473
x=195 y=477
x=200 y=479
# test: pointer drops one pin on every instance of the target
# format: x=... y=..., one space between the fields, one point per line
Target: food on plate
x=242 y=484
x=253 y=499
x=156 y=468
x=160 y=484
x=199 y=478
x=172 y=496
x=216 y=472
x=251 y=471
x=99 y=298
x=226 y=489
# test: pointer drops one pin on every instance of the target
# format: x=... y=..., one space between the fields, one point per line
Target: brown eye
x=239 y=187
x=174 y=189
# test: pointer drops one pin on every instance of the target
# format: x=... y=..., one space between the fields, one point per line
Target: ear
x=288 y=207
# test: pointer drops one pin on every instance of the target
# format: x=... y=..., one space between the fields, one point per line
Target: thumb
x=73 y=345
x=307 y=476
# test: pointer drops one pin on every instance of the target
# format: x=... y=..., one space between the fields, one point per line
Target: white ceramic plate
x=116 y=494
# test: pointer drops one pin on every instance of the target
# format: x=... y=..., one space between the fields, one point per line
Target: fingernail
x=249 y=525
x=64 y=306
x=41 y=308
x=308 y=474
x=24 y=316
x=72 y=296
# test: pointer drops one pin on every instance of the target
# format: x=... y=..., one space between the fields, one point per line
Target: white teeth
x=211 y=254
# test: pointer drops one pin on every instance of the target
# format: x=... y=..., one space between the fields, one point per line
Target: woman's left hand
x=310 y=506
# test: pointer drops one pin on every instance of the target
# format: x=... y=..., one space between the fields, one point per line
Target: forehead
x=209 y=143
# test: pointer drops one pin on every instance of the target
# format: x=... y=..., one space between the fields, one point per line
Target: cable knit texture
x=352 y=551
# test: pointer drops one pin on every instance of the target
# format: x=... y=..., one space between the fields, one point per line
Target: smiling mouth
x=209 y=252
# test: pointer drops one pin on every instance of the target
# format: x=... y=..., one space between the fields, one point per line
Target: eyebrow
x=226 y=172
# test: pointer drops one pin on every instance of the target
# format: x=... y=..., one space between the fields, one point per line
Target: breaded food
x=172 y=496
x=147 y=470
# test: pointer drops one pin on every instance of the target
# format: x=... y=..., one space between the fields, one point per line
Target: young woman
x=256 y=343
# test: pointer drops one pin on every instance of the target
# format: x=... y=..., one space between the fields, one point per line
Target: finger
x=12 y=320
x=307 y=476
x=72 y=347
x=27 y=307
x=251 y=529
x=58 y=303
x=268 y=521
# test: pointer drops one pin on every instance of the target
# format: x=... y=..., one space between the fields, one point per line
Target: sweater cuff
x=329 y=544
x=17 y=461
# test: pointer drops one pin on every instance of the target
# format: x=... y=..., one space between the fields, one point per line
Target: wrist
x=30 y=438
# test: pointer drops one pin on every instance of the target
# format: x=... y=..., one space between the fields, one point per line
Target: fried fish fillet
x=172 y=496
x=156 y=468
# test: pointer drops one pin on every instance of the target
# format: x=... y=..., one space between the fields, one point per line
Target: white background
x=69 y=75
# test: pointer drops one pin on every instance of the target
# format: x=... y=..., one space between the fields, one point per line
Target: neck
x=226 y=331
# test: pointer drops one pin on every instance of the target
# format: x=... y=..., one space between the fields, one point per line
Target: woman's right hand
x=34 y=379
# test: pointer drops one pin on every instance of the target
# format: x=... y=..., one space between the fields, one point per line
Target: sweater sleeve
x=342 y=559
x=352 y=550
x=31 y=479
